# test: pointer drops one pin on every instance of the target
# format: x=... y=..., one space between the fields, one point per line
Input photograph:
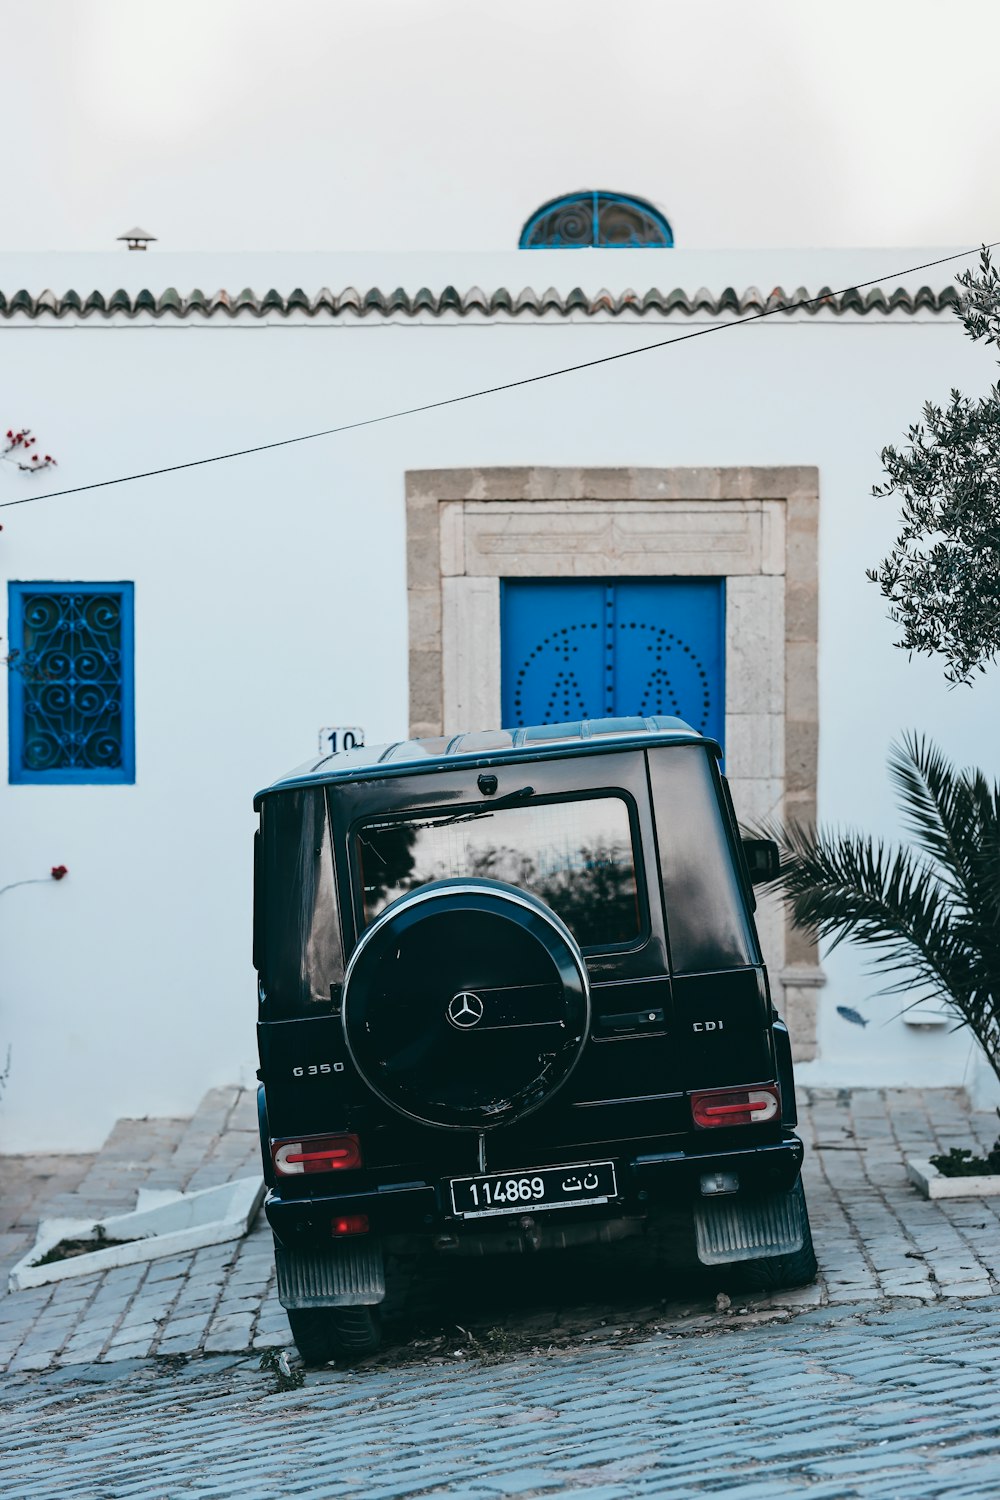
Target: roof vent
x=137 y=239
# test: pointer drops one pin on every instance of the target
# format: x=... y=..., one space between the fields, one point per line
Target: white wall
x=270 y=599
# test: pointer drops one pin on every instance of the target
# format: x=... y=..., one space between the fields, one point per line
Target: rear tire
x=325 y=1333
x=777 y=1272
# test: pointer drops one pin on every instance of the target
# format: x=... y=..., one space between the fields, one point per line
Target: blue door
x=605 y=648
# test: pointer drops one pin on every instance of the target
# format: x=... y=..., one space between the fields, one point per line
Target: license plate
x=526 y=1192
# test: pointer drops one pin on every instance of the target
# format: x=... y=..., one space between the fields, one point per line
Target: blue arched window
x=582 y=220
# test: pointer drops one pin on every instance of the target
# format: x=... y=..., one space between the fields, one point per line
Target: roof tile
x=501 y=302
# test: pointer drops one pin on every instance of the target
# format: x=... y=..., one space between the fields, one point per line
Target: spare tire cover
x=466 y=1004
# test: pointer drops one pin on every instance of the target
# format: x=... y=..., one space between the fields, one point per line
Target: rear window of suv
x=576 y=855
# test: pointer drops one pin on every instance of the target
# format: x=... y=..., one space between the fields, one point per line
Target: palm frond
x=931 y=913
x=940 y=808
x=844 y=885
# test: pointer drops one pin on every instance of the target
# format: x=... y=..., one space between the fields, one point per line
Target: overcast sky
x=381 y=124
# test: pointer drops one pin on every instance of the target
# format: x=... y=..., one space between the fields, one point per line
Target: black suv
x=512 y=998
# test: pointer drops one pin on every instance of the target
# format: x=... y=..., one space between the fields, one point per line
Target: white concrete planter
x=934 y=1185
x=161 y=1224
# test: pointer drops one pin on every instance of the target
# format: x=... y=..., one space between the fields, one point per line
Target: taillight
x=316 y=1153
x=350 y=1224
x=735 y=1106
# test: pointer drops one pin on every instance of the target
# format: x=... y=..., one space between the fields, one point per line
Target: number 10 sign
x=336 y=737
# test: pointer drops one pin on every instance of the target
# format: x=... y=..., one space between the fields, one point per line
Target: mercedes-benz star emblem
x=465 y=1010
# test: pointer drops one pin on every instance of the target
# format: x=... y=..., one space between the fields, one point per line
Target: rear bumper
x=646 y=1182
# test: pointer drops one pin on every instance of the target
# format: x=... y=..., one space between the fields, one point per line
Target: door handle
x=650 y=1019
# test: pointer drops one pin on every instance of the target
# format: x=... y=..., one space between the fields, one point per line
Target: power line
x=491 y=390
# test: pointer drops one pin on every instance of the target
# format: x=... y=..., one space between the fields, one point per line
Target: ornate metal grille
x=584 y=220
x=71 y=682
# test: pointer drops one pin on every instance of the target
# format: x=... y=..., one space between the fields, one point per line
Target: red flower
x=58 y=871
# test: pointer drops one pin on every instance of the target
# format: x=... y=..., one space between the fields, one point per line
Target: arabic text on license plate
x=549 y=1187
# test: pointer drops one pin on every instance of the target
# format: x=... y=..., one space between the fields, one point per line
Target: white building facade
x=715 y=492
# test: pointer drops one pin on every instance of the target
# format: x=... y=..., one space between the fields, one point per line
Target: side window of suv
x=707 y=918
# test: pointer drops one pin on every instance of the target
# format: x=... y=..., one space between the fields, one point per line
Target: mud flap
x=347 y=1275
x=734 y=1229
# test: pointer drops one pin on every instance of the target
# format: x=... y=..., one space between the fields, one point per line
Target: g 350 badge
x=312 y=1070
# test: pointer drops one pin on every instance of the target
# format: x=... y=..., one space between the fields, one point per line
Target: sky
x=424 y=124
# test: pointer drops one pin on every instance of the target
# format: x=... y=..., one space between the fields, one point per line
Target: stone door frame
x=757 y=527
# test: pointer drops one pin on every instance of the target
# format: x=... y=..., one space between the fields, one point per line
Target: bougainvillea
x=21 y=448
x=57 y=872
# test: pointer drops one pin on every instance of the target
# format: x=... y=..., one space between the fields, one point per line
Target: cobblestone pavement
x=876 y=1240
x=844 y=1403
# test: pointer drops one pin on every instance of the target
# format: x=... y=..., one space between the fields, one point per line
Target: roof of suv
x=490 y=747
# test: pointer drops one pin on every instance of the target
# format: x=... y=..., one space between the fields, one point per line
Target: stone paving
x=844 y=1402
x=876 y=1239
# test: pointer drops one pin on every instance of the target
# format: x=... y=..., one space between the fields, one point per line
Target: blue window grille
x=584 y=220
x=70 y=682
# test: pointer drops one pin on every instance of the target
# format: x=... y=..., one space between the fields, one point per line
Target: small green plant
x=959 y=1162
x=288 y=1377
x=495 y=1345
x=69 y=1249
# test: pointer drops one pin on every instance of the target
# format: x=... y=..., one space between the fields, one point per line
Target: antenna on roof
x=137 y=239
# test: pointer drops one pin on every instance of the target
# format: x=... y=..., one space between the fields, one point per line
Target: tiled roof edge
x=500 y=303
